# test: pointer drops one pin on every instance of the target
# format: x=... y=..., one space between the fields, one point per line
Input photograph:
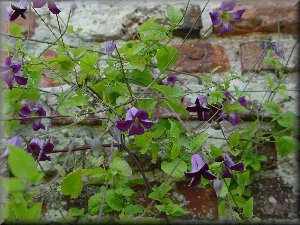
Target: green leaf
x=12 y=184
x=142 y=78
x=174 y=168
x=127 y=192
x=221 y=207
x=175 y=16
x=133 y=209
x=174 y=130
x=88 y=63
x=248 y=208
x=19 y=206
x=286 y=145
x=94 y=203
x=114 y=200
x=72 y=184
x=287 y=119
x=234 y=139
x=175 y=103
x=175 y=210
x=271 y=108
x=158 y=193
x=34 y=213
x=166 y=57
x=169 y=92
x=244 y=178
x=120 y=166
x=255 y=165
x=74 y=212
x=197 y=141
x=22 y=165
x=215 y=152
x=16 y=30
x=152 y=31
x=144 y=141
x=224 y=190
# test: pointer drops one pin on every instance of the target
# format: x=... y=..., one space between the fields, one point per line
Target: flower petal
x=124 y=125
x=136 y=128
x=191 y=109
x=25 y=111
x=110 y=47
x=40 y=111
x=215 y=17
x=142 y=114
x=242 y=100
x=147 y=123
x=237 y=16
x=8 y=78
x=208 y=175
x=21 y=80
x=7 y=61
x=48 y=147
x=227 y=27
x=16 y=66
x=16 y=141
x=203 y=101
x=226 y=173
x=218 y=184
x=14 y=15
x=234 y=118
x=238 y=167
x=38 y=3
x=197 y=163
x=228 y=5
x=37 y=125
x=131 y=113
x=52 y=7
x=195 y=181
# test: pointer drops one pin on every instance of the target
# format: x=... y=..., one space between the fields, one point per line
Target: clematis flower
x=171 y=80
x=27 y=111
x=201 y=108
x=229 y=165
x=242 y=100
x=135 y=121
x=38 y=150
x=199 y=168
x=12 y=71
x=110 y=47
x=225 y=16
x=51 y=5
x=15 y=141
x=234 y=118
x=19 y=10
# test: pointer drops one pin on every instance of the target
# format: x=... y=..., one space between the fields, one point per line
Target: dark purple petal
x=237 y=16
x=228 y=5
x=203 y=115
x=35 y=145
x=171 y=79
x=195 y=181
x=208 y=175
x=52 y=7
x=21 y=80
x=40 y=111
x=37 y=125
x=215 y=18
x=8 y=78
x=238 y=167
x=242 y=100
x=218 y=184
x=25 y=111
x=16 y=66
x=192 y=109
x=234 y=118
x=191 y=174
x=110 y=47
x=227 y=27
x=142 y=115
x=124 y=125
x=24 y=121
x=43 y=157
x=226 y=173
x=219 y=159
x=131 y=113
x=48 y=147
x=38 y=3
x=136 y=128
x=147 y=123
x=226 y=93
x=7 y=61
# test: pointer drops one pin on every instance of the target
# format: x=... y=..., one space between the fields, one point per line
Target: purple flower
x=225 y=16
x=15 y=141
x=12 y=71
x=19 y=10
x=201 y=108
x=218 y=184
x=38 y=150
x=242 y=100
x=228 y=97
x=234 y=118
x=110 y=46
x=27 y=111
x=135 y=121
x=278 y=49
x=171 y=80
x=51 y=5
x=229 y=165
x=199 y=168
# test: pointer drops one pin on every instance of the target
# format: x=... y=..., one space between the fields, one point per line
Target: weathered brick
x=29 y=23
x=269 y=150
x=267 y=17
x=274 y=199
x=203 y=58
x=250 y=53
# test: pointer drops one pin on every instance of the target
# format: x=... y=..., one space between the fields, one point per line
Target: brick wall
x=276 y=189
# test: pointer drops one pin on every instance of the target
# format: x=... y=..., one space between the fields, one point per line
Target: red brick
x=50 y=54
x=250 y=53
x=264 y=16
x=203 y=58
x=29 y=23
